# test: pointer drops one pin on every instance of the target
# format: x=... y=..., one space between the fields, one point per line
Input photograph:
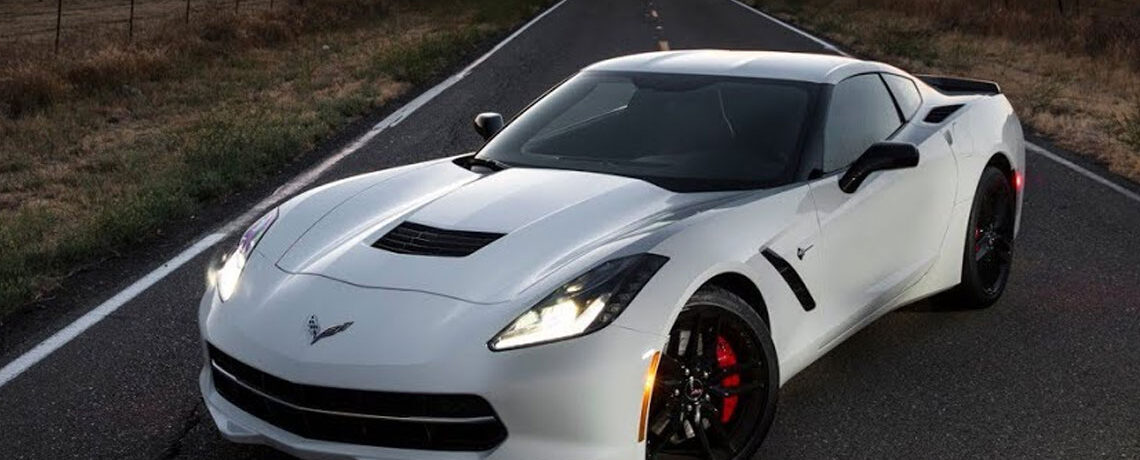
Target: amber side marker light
x=647 y=393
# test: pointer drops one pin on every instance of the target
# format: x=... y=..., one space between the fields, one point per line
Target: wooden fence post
x=58 y=22
x=131 y=23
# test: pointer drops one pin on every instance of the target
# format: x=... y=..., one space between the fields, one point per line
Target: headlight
x=582 y=306
x=226 y=279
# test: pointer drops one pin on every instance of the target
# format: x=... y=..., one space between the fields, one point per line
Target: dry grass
x=102 y=147
x=1074 y=77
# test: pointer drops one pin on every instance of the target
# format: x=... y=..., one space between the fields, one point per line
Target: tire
x=987 y=256
x=695 y=384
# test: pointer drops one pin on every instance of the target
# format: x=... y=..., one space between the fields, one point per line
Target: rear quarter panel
x=986 y=127
x=994 y=130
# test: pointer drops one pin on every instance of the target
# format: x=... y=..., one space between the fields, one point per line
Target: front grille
x=421 y=240
x=384 y=419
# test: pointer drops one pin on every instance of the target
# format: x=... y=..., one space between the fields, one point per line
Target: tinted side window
x=861 y=113
x=906 y=94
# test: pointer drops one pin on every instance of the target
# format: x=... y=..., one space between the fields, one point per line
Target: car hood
x=548 y=217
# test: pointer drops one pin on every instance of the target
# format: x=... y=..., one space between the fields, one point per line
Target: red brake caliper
x=725 y=357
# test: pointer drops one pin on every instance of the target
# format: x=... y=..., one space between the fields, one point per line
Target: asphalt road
x=1051 y=371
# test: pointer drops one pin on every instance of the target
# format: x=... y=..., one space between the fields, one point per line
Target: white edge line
x=1082 y=171
x=820 y=41
x=18 y=366
x=77 y=327
x=1029 y=145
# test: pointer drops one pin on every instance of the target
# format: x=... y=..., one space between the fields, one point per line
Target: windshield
x=681 y=132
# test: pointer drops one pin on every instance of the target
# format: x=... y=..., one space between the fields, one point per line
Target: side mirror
x=879 y=157
x=488 y=123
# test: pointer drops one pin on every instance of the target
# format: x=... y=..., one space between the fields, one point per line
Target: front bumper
x=578 y=399
x=239 y=426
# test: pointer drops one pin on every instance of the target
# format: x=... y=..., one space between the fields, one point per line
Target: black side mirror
x=879 y=157
x=488 y=123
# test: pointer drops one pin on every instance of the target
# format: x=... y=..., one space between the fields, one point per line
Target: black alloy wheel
x=717 y=382
x=988 y=255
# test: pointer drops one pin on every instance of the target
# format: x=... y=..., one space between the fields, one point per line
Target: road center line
x=77 y=327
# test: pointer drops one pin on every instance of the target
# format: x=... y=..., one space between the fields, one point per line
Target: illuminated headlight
x=226 y=278
x=584 y=305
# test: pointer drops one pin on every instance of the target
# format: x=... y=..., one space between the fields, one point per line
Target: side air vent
x=792 y=278
x=421 y=240
x=939 y=114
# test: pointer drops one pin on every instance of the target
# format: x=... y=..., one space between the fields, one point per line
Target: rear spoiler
x=951 y=85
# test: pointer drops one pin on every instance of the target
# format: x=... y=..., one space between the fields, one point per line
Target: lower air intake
x=440 y=422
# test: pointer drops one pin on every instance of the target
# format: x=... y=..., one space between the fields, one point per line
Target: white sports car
x=629 y=269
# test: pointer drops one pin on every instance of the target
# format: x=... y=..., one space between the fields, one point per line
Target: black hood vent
x=939 y=114
x=421 y=240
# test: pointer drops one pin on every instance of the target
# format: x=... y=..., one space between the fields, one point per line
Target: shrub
x=25 y=88
x=1130 y=125
x=110 y=68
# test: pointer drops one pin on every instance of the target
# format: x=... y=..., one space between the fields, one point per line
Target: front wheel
x=716 y=386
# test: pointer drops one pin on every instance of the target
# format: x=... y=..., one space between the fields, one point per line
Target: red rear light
x=1018 y=181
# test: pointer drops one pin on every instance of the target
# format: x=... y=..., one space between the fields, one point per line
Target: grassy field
x=33 y=22
x=1073 y=76
x=104 y=144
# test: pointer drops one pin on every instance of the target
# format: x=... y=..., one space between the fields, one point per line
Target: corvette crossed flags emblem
x=317 y=334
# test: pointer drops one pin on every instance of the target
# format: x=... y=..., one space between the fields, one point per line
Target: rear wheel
x=988 y=248
x=716 y=386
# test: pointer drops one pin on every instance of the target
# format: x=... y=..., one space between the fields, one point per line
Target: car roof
x=809 y=67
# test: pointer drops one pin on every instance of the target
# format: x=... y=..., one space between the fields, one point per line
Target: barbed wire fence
x=43 y=21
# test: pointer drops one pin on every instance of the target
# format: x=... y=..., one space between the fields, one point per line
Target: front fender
x=729 y=240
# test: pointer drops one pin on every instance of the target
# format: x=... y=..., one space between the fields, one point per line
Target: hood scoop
x=439 y=229
x=421 y=240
